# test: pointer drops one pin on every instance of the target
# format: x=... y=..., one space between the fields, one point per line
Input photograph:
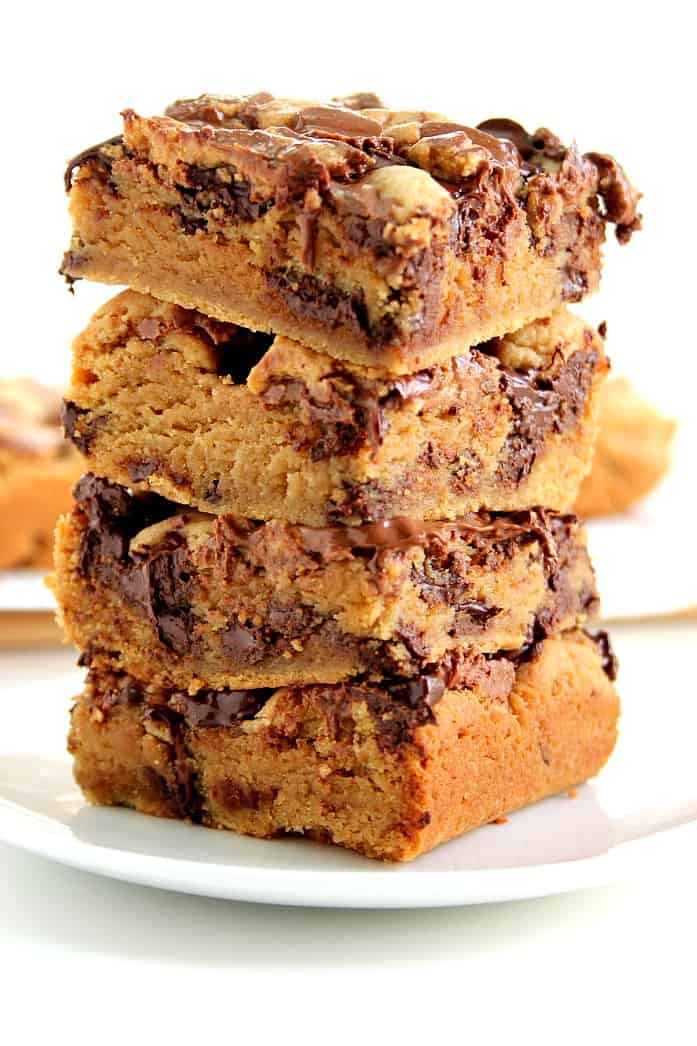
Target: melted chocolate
x=168 y=727
x=607 y=654
x=217 y=189
x=160 y=579
x=402 y=532
x=159 y=582
x=93 y=155
x=543 y=402
x=80 y=426
x=156 y=581
x=244 y=644
x=220 y=707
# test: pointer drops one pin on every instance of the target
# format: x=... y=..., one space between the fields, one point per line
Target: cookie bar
x=37 y=471
x=632 y=453
x=190 y=600
x=390 y=771
x=390 y=239
x=214 y=416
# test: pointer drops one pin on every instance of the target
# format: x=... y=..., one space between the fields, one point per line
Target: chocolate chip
x=209 y=708
x=142 y=470
x=159 y=581
x=218 y=189
x=542 y=403
x=243 y=644
x=310 y=298
x=607 y=654
x=79 y=426
x=93 y=155
x=185 y=793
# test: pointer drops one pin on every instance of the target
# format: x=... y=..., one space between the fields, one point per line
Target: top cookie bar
x=387 y=238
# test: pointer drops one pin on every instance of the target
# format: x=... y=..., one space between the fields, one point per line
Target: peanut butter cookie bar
x=632 y=453
x=190 y=600
x=37 y=471
x=389 y=770
x=211 y=415
x=389 y=239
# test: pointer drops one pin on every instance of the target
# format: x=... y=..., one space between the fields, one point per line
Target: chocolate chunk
x=129 y=692
x=167 y=726
x=93 y=155
x=123 y=691
x=338 y=419
x=486 y=209
x=235 y=795
x=114 y=516
x=212 y=496
x=619 y=196
x=308 y=297
x=244 y=644
x=543 y=402
x=159 y=582
x=532 y=149
x=291 y=622
x=105 y=539
x=142 y=470
x=218 y=189
x=607 y=654
x=80 y=431
x=425 y=690
x=220 y=707
x=472 y=616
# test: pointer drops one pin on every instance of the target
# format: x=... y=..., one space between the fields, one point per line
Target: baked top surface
x=394 y=164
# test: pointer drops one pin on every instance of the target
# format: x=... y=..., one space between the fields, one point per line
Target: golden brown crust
x=349 y=766
x=632 y=454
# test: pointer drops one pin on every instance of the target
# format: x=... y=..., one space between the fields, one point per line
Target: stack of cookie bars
x=322 y=569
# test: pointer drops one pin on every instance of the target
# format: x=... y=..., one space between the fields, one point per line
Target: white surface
x=25 y=590
x=80 y=952
x=554 y=846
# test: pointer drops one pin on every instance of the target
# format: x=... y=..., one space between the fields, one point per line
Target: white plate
x=25 y=590
x=558 y=845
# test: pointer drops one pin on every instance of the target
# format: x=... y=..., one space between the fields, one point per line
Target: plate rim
x=384 y=886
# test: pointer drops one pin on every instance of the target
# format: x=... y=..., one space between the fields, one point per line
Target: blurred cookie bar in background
x=632 y=453
x=38 y=469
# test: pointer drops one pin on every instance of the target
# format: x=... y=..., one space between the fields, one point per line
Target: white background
x=105 y=962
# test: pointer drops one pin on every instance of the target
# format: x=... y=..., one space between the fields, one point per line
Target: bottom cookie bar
x=390 y=771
